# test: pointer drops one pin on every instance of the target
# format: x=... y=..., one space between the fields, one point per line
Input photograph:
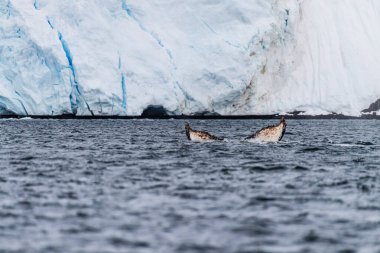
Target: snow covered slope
x=227 y=56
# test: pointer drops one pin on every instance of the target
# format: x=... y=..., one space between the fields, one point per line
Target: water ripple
x=140 y=186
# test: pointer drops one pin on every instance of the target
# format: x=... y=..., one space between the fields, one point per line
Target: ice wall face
x=32 y=80
x=331 y=60
x=228 y=56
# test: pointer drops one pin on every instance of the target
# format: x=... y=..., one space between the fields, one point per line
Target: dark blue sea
x=77 y=186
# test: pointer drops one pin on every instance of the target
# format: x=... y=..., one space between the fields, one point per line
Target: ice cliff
x=228 y=56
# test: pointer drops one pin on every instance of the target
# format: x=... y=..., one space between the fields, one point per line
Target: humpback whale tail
x=270 y=133
x=194 y=135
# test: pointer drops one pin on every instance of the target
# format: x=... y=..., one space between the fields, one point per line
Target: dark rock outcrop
x=373 y=107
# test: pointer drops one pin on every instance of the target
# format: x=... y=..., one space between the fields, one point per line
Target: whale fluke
x=199 y=136
x=270 y=133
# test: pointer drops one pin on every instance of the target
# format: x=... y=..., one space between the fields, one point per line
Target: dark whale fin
x=187 y=129
x=283 y=121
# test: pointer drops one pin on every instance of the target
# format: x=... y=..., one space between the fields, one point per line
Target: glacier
x=232 y=57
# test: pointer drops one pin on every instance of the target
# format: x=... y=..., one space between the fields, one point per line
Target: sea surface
x=77 y=186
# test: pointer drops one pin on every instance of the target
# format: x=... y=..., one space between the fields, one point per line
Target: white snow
x=227 y=56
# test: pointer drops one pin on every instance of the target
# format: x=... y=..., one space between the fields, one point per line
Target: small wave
x=256 y=141
x=27 y=158
x=364 y=143
x=259 y=168
x=358 y=160
x=118 y=242
x=334 y=183
x=301 y=168
x=81 y=229
x=363 y=188
x=344 y=145
x=356 y=144
x=310 y=150
x=262 y=198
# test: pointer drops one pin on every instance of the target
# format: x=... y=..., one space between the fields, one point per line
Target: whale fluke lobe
x=270 y=133
x=199 y=136
x=188 y=129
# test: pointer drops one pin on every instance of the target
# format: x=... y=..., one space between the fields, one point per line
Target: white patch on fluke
x=199 y=136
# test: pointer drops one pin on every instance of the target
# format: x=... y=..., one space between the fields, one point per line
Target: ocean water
x=140 y=186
